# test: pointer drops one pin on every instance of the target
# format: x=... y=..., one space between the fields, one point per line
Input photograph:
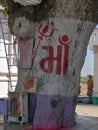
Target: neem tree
x=58 y=31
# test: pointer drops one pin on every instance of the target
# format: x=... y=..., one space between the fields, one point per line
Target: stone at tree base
x=52 y=112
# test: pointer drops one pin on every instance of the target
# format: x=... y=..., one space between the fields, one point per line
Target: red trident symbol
x=42 y=34
x=44 y=31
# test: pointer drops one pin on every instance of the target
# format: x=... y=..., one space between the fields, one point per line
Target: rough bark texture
x=62 y=29
x=83 y=10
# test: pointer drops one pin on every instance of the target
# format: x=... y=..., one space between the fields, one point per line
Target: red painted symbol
x=50 y=59
x=42 y=35
x=47 y=63
x=64 y=40
x=43 y=31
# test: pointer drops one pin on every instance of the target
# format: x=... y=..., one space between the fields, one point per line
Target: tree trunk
x=57 y=32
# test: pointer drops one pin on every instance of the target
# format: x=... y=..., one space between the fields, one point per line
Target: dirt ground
x=83 y=89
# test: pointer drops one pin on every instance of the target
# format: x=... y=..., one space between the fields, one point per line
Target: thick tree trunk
x=61 y=30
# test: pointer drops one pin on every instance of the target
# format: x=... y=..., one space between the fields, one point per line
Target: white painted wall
x=93 y=39
x=93 y=45
x=95 y=73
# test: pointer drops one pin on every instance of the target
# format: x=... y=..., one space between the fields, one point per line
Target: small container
x=95 y=100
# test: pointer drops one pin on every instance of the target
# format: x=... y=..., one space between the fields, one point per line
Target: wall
x=93 y=45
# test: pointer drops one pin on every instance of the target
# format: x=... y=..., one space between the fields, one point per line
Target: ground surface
x=83 y=89
x=87 y=116
x=87 y=119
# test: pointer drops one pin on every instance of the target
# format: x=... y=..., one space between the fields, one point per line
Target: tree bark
x=61 y=30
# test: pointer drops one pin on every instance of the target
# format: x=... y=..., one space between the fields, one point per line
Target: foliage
x=83 y=80
x=3 y=4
